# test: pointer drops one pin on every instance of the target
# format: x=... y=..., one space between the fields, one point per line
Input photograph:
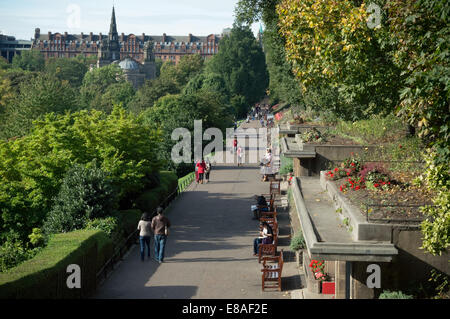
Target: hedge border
x=44 y=276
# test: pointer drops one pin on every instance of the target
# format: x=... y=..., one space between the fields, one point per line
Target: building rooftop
x=129 y=64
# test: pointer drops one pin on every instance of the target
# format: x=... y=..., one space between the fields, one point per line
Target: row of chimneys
x=37 y=32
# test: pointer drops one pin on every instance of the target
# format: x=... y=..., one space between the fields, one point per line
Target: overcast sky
x=19 y=18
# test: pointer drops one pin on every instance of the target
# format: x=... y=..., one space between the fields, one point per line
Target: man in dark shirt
x=160 y=226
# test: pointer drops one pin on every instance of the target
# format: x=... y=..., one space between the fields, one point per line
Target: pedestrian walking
x=196 y=172
x=207 y=170
x=240 y=155
x=145 y=227
x=201 y=166
x=160 y=227
x=235 y=143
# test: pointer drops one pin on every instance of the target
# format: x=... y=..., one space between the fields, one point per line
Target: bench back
x=275 y=188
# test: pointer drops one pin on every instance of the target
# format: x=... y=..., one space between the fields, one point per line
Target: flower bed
x=381 y=193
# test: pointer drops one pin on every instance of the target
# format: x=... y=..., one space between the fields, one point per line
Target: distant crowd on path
x=202 y=171
x=158 y=226
x=260 y=113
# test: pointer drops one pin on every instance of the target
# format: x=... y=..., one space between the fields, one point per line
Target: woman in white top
x=265 y=238
x=266 y=168
x=240 y=155
x=145 y=233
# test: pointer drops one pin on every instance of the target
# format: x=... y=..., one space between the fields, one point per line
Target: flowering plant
x=375 y=177
x=313 y=135
x=355 y=184
x=317 y=267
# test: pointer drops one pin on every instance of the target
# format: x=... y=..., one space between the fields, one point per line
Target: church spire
x=113 y=35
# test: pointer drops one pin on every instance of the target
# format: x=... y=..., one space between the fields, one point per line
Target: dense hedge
x=44 y=276
x=149 y=200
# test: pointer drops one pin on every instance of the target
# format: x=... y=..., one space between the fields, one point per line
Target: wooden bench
x=265 y=250
x=270 y=214
x=275 y=188
x=271 y=272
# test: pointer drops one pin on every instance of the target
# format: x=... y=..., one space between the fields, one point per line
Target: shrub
x=151 y=199
x=45 y=275
x=386 y=294
x=32 y=168
x=86 y=193
x=108 y=225
x=287 y=165
x=298 y=242
x=12 y=254
x=128 y=220
x=37 y=238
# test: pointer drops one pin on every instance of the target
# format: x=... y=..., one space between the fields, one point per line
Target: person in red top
x=201 y=166
x=235 y=143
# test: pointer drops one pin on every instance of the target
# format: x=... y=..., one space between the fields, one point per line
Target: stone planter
x=313 y=285
x=299 y=257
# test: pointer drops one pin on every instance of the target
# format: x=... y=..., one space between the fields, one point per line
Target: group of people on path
x=202 y=171
x=158 y=226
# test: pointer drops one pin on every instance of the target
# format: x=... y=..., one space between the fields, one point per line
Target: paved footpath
x=209 y=250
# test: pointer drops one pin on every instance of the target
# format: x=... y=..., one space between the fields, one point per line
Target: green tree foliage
x=4 y=64
x=41 y=94
x=175 y=111
x=150 y=92
x=86 y=193
x=71 y=70
x=88 y=61
x=329 y=44
x=96 y=82
x=32 y=168
x=421 y=32
x=117 y=93
x=241 y=64
x=172 y=79
x=283 y=86
x=29 y=60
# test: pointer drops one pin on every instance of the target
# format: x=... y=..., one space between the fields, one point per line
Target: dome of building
x=129 y=64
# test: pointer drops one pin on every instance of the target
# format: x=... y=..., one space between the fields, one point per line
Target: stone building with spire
x=115 y=46
x=135 y=72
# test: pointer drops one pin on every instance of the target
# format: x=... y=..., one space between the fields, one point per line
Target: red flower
x=336 y=169
x=357 y=188
x=352 y=164
x=376 y=185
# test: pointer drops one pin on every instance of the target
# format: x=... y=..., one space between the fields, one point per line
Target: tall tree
x=29 y=60
x=330 y=44
x=71 y=70
x=242 y=65
x=40 y=95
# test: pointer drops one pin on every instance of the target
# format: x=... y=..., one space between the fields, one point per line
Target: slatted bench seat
x=271 y=272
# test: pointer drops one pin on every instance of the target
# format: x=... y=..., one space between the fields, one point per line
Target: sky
x=19 y=18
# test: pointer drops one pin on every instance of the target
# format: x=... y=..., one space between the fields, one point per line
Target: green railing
x=185 y=181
